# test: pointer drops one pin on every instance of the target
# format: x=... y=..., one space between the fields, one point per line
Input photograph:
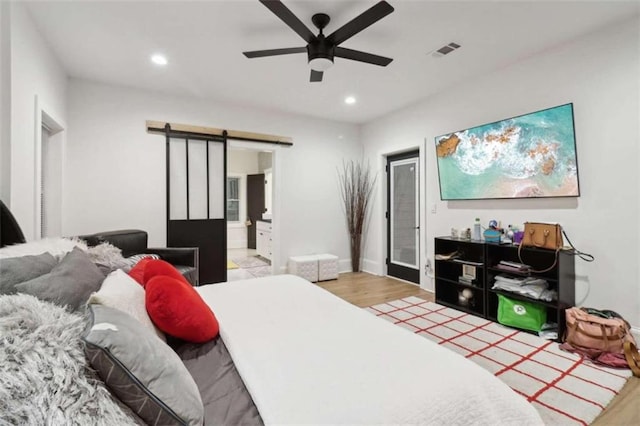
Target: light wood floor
x=362 y=289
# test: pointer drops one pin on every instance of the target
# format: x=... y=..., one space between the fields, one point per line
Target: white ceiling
x=111 y=42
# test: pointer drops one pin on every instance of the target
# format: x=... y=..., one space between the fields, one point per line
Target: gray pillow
x=45 y=378
x=70 y=282
x=16 y=270
x=141 y=370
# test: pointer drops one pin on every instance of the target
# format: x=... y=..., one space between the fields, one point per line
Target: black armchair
x=10 y=232
x=134 y=241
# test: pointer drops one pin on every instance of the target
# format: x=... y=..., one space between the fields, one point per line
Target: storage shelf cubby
x=485 y=257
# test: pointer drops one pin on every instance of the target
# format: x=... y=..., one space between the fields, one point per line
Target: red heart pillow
x=137 y=272
x=176 y=308
x=160 y=267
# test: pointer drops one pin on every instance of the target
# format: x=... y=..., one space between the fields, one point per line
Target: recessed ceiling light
x=159 y=59
x=349 y=100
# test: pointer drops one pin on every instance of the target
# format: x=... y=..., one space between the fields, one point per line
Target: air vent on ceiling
x=445 y=50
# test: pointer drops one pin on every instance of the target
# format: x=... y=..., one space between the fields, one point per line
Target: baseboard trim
x=344 y=265
x=236 y=244
x=372 y=267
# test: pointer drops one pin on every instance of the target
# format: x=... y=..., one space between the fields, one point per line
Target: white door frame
x=275 y=150
x=57 y=137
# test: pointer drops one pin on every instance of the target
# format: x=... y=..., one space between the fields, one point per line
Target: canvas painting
x=532 y=155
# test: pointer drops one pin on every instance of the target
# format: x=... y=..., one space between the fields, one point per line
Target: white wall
x=599 y=74
x=242 y=161
x=35 y=72
x=5 y=102
x=115 y=171
x=264 y=161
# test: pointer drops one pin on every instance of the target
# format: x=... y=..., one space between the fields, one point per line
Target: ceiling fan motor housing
x=320 y=48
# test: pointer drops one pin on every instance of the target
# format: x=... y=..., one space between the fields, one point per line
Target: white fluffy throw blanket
x=44 y=376
x=57 y=246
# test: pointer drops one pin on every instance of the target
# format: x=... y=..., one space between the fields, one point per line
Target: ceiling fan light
x=159 y=59
x=320 y=64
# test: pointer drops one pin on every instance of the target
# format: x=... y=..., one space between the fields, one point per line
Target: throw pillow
x=107 y=257
x=142 y=371
x=45 y=378
x=122 y=292
x=161 y=267
x=132 y=261
x=70 y=282
x=178 y=310
x=137 y=272
x=19 y=269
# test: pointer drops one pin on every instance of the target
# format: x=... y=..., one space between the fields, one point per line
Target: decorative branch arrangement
x=356 y=186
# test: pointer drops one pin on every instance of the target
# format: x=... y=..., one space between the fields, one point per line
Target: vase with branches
x=356 y=186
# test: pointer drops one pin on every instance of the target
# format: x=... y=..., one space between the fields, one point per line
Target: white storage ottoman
x=305 y=267
x=327 y=267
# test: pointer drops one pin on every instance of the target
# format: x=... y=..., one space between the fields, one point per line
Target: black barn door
x=196 y=199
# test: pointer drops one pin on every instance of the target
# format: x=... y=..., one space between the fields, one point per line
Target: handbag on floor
x=602 y=335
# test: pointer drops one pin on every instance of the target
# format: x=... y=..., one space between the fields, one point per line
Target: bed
x=289 y=352
x=308 y=357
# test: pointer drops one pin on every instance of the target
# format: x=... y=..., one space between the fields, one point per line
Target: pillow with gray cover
x=69 y=283
x=123 y=293
x=140 y=369
x=45 y=378
x=16 y=270
x=107 y=257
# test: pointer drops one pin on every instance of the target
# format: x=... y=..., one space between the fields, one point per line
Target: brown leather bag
x=633 y=357
x=613 y=335
x=542 y=235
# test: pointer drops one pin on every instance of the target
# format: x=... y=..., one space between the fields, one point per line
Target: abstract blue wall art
x=528 y=156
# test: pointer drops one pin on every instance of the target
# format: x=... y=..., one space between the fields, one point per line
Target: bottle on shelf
x=476 y=229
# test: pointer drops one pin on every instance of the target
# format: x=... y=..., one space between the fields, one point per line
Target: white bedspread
x=308 y=357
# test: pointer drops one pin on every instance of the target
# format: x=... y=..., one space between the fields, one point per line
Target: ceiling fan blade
x=282 y=12
x=357 y=55
x=274 y=52
x=360 y=22
x=315 y=76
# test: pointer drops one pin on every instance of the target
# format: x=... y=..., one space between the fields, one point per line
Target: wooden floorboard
x=362 y=289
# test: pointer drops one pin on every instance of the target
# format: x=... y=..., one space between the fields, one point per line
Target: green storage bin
x=520 y=314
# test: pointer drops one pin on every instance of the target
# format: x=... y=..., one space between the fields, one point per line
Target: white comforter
x=308 y=357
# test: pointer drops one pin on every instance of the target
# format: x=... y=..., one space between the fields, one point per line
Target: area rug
x=231 y=265
x=564 y=388
x=250 y=262
x=249 y=267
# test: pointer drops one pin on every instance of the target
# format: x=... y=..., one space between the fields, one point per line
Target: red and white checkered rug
x=564 y=388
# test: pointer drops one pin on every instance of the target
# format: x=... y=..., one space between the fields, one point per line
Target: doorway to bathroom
x=249 y=212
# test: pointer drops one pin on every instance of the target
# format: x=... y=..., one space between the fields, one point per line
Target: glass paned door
x=403 y=217
x=196 y=213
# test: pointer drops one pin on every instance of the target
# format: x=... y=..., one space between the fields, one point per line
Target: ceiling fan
x=322 y=49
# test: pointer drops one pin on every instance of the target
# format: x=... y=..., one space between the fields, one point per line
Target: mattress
x=308 y=357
